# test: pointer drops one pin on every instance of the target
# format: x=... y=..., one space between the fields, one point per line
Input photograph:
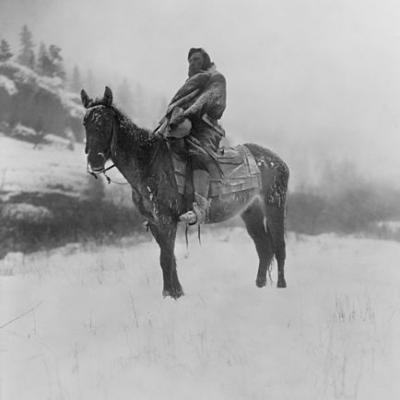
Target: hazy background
x=318 y=82
x=314 y=80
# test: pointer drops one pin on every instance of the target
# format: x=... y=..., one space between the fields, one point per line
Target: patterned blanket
x=239 y=172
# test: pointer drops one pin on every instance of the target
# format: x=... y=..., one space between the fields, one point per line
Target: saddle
x=238 y=171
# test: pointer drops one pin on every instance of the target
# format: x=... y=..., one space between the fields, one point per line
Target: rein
x=96 y=175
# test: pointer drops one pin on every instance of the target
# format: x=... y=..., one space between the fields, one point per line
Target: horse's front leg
x=165 y=235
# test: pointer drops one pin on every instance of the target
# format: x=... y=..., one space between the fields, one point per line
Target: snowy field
x=90 y=322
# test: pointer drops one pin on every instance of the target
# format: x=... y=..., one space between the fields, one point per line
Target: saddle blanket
x=239 y=172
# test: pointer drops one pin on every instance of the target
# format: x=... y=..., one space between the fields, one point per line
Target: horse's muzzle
x=97 y=161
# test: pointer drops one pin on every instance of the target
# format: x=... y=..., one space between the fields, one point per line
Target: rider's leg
x=201 y=183
x=203 y=165
x=178 y=147
x=201 y=179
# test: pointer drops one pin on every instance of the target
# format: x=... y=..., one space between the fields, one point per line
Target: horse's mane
x=141 y=141
x=131 y=137
x=141 y=136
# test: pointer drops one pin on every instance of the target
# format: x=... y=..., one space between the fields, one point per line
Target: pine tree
x=50 y=62
x=76 y=81
x=26 y=56
x=5 y=51
x=43 y=66
x=57 y=67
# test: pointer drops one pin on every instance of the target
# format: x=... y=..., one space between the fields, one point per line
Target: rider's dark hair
x=207 y=60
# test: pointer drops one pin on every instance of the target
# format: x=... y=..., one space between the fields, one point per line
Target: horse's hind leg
x=254 y=220
x=275 y=178
x=276 y=228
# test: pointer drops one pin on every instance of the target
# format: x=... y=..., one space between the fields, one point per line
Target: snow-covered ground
x=50 y=168
x=24 y=168
x=90 y=322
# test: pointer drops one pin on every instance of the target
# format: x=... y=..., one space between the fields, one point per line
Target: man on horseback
x=191 y=125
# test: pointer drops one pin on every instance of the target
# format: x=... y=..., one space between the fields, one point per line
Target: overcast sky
x=302 y=74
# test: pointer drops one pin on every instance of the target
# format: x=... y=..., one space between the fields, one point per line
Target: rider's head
x=198 y=60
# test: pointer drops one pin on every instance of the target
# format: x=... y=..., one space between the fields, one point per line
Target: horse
x=145 y=161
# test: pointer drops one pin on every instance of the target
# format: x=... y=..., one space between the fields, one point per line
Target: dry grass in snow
x=90 y=322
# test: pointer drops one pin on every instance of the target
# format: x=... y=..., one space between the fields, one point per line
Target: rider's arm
x=198 y=81
x=211 y=102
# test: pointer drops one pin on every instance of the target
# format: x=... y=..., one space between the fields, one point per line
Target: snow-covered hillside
x=90 y=322
x=37 y=101
x=49 y=168
x=48 y=199
x=44 y=169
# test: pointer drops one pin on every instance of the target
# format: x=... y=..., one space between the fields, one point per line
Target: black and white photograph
x=199 y=200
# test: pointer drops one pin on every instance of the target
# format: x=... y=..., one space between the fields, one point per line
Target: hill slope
x=47 y=198
x=38 y=102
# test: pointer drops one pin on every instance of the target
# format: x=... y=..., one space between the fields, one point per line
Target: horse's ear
x=85 y=98
x=108 y=96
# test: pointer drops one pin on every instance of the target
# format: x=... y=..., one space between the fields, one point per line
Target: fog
x=315 y=80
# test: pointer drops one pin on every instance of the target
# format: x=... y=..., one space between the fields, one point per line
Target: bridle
x=102 y=172
x=96 y=174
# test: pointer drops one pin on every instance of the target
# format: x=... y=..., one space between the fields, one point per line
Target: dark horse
x=145 y=161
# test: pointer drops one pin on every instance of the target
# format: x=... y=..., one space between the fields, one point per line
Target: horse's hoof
x=261 y=282
x=281 y=284
x=175 y=294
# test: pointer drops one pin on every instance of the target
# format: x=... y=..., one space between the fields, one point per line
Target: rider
x=202 y=101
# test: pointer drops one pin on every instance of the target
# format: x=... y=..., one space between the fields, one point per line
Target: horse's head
x=99 y=124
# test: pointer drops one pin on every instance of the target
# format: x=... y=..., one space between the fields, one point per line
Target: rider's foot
x=199 y=213
x=189 y=217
